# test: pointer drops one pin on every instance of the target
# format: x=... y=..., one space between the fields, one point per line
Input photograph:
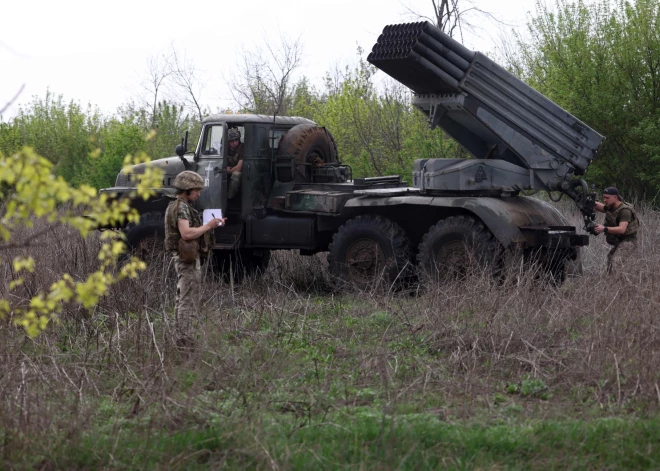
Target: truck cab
x=279 y=153
x=260 y=139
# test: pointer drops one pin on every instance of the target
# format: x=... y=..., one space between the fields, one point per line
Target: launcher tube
x=439 y=61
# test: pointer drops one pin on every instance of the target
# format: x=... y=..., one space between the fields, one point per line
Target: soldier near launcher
x=620 y=228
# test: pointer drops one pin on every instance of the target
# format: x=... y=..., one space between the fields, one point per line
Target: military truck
x=296 y=194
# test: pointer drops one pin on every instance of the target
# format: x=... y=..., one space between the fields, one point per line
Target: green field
x=359 y=438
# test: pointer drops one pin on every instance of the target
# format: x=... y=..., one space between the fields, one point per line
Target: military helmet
x=233 y=134
x=188 y=180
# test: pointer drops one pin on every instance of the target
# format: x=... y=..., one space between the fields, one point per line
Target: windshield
x=213 y=140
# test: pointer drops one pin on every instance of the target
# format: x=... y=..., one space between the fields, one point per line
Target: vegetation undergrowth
x=288 y=372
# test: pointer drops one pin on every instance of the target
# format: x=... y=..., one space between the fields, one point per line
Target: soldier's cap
x=188 y=180
x=610 y=190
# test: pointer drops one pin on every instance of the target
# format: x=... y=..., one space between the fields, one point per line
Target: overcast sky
x=96 y=52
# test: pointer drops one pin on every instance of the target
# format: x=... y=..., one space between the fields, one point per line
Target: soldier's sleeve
x=184 y=213
x=625 y=215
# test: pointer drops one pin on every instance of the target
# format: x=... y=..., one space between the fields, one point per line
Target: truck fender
x=503 y=216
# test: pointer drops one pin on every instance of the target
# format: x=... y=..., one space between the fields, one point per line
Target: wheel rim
x=365 y=260
x=315 y=158
x=451 y=259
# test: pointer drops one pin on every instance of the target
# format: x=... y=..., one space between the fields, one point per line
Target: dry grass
x=288 y=344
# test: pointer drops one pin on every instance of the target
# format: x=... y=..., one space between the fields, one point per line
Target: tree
x=170 y=102
x=117 y=140
x=377 y=129
x=602 y=63
x=30 y=190
x=187 y=79
x=64 y=133
x=453 y=16
x=306 y=100
x=172 y=121
x=159 y=69
x=264 y=81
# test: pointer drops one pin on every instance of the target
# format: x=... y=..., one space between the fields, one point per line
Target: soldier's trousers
x=234 y=184
x=189 y=277
x=620 y=254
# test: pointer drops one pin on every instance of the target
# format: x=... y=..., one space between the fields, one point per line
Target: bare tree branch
x=10 y=49
x=186 y=77
x=11 y=102
x=451 y=16
x=159 y=68
x=263 y=82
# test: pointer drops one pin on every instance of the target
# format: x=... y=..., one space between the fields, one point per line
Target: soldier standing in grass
x=183 y=222
x=234 y=161
x=620 y=228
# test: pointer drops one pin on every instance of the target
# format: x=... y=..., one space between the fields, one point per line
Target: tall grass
x=287 y=352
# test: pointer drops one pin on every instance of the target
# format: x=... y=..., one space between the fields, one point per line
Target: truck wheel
x=368 y=250
x=147 y=238
x=307 y=144
x=242 y=263
x=454 y=245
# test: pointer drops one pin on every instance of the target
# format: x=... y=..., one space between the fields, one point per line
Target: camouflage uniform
x=233 y=157
x=623 y=246
x=188 y=274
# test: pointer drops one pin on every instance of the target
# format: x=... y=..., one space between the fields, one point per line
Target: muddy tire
x=369 y=252
x=146 y=239
x=309 y=145
x=240 y=264
x=455 y=247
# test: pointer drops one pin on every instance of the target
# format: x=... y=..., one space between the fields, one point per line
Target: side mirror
x=180 y=150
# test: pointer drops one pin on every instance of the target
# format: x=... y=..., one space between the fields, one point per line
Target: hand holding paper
x=209 y=214
x=213 y=216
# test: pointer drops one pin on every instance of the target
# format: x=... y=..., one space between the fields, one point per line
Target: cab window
x=277 y=135
x=213 y=140
x=241 y=129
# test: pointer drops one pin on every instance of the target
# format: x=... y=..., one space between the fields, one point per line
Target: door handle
x=248 y=172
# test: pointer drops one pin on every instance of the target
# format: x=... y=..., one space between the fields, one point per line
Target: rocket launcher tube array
x=429 y=62
x=397 y=41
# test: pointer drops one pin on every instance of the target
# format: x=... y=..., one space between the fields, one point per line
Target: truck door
x=257 y=167
x=212 y=168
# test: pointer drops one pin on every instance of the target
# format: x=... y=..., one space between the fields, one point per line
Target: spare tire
x=308 y=145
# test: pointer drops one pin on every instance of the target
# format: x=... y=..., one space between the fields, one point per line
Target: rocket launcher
x=521 y=140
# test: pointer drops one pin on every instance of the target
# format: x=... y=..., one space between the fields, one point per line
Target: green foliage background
x=86 y=147
x=601 y=61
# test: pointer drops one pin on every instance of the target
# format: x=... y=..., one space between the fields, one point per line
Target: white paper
x=209 y=214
